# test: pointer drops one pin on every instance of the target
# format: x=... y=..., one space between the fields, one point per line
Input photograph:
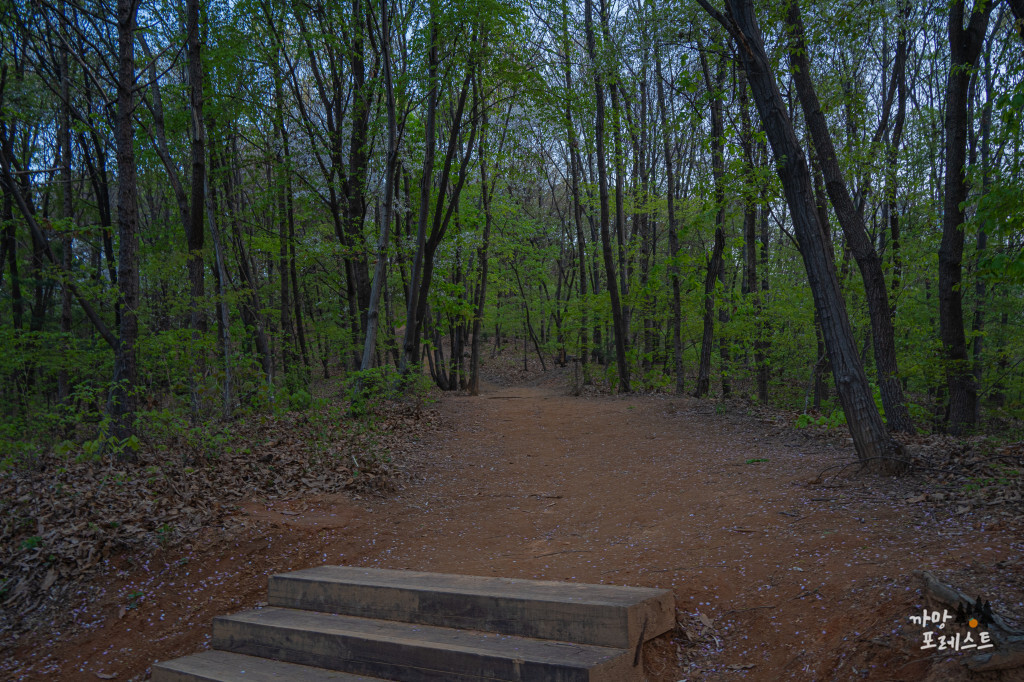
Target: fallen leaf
x=49 y=580
x=107 y=676
x=704 y=619
x=740 y=666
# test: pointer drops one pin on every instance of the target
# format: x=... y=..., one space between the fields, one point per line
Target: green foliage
x=300 y=400
x=833 y=420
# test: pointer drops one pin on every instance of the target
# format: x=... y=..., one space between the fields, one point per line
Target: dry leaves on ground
x=62 y=520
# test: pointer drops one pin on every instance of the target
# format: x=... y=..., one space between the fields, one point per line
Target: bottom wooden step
x=224 y=666
x=408 y=652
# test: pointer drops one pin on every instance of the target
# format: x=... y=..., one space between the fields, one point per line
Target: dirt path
x=775 y=575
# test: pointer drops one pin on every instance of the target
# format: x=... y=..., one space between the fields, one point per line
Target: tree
x=618 y=321
x=965 y=46
x=852 y=222
x=873 y=444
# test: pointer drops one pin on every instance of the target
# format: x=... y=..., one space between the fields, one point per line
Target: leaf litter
x=63 y=521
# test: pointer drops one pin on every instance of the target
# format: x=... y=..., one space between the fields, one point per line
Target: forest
x=230 y=227
x=208 y=206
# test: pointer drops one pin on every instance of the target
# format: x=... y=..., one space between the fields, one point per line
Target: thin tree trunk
x=67 y=205
x=673 y=235
x=978 y=323
x=577 y=208
x=482 y=257
x=195 y=228
x=618 y=321
x=372 y=321
x=715 y=262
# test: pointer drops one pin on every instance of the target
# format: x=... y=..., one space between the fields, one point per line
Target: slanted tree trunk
x=852 y=223
x=965 y=46
x=873 y=444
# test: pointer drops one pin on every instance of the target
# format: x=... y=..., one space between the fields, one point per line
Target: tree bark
x=391 y=162
x=122 y=399
x=195 y=230
x=618 y=321
x=482 y=258
x=965 y=47
x=852 y=223
x=577 y=208
x=715 y=262
x=67 y=205
x=410 y=344
x=874 y=447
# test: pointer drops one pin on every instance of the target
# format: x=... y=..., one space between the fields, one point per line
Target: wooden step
x=224 y=666
x=603 y=615
x=415 y=653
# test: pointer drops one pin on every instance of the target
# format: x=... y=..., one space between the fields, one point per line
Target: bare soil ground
x=778 y=573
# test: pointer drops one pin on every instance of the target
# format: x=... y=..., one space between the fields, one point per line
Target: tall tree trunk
x=715 y=262
x=372 y=321
x=750 y=243
x=900 y=78
x=978 y=323
x=577 y=207
x=618 y=321
x=195 y=228
x=482 y=258
x=965 y=47
x=355 y=189
x=874 y=446
x=11 y=253
x=852 y=223
x=67 y=205
x=761 y=346
x=123 y=399
x=673 y=235
x=410 y=344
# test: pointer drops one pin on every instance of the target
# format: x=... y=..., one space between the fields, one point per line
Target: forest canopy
x=209 y=206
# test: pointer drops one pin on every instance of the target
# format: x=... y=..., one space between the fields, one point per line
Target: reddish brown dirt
x=776 y=575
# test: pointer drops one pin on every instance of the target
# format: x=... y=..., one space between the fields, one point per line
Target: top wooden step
x=603 y=615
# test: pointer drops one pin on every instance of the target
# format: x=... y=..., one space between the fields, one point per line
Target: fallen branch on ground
x=1010 y=651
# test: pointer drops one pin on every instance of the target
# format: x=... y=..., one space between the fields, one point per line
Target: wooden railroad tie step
x=349 y=623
